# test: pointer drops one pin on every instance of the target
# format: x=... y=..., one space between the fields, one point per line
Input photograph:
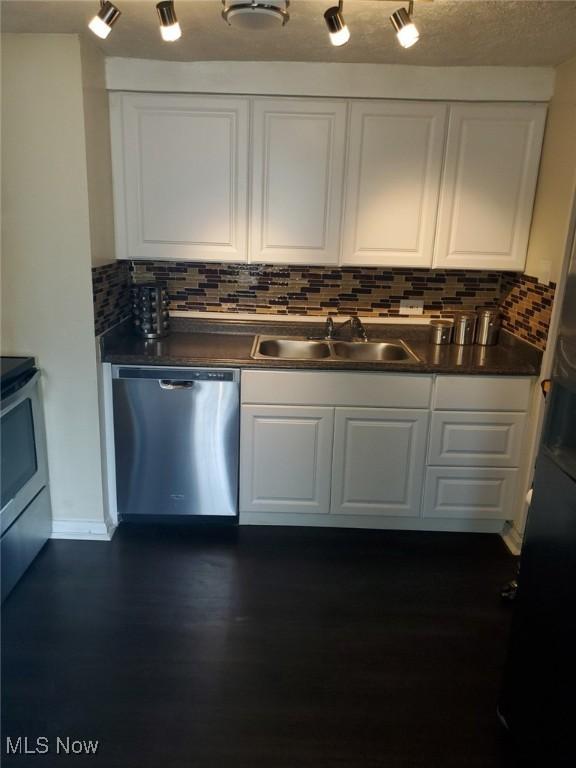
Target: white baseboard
x=513 y=539
x=84 y=530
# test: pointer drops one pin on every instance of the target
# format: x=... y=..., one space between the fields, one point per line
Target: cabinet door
x=394 y=167
x=491 y=168
x=286 y=457
x=297 y=180
x=379 y=458
x=180 y=176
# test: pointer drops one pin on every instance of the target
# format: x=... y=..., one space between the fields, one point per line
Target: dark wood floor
x=261 y=647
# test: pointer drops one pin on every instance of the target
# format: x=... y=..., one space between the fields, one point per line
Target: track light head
x=104 y=20
x=406 y=30
x=339 y=32
x=169 y=27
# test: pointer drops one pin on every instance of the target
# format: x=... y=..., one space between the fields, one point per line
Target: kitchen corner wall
x=46 y=263
x=319 y=291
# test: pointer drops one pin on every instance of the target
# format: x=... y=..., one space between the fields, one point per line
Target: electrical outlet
x=411 y=307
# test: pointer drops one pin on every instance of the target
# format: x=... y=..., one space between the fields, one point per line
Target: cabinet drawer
x=476 y=439
x=384 y=390
x=462 y=492
x=482 y=393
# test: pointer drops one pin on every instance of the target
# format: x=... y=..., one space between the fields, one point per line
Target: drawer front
x=376 y=390
x=476 y=439
x=482 y=393
x=466 y=493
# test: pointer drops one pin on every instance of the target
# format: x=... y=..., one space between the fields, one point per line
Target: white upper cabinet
x=393 y=180
x=297 y=179
x=180 y=176
x=490 y=173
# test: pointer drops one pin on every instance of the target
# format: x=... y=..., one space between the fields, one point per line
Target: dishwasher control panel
x=174 y=374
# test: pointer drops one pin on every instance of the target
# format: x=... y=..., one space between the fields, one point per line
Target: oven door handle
x=21 y=394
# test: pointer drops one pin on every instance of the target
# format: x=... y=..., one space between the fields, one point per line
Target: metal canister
x=150 y=310
x=441 y=331
x=488 y=327
x=464 y=327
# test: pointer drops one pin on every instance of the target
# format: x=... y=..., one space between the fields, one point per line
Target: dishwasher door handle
x=169 y=384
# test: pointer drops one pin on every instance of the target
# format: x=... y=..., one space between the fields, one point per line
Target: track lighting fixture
x=406 y=30
x=339 y=32
x=105 y=19
x=169 y=26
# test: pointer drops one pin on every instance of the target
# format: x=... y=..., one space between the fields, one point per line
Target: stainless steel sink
x=290 y=349
x=372 y=351
x=298 y=348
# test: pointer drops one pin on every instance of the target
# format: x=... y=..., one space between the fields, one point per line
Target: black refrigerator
x=538 y=698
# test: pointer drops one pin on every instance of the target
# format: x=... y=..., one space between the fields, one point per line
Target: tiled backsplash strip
x=292 y=290
x=111 y=292
x=527 y=307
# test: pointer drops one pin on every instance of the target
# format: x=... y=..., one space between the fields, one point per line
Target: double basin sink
x=298 y=348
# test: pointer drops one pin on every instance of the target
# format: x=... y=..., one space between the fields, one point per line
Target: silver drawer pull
x=168 y=384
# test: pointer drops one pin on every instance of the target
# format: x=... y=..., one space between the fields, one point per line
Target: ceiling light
x=105 y=19
x=169 y=26
x=339 y=32
x=255 y=15
x=406 y=30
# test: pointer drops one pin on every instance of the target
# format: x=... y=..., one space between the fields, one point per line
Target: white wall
x=557 y=180
x=46 y=267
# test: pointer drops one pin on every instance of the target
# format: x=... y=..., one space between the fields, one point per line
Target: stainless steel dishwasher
x=176 y=434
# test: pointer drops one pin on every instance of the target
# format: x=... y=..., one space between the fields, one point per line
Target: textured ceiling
x=453 y=32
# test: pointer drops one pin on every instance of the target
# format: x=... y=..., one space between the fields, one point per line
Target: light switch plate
x=411 y=307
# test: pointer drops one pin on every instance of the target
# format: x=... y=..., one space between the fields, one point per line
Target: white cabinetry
x=180 y=176
x=344 y=443
x=379 y=456
x=286 y=458
x=394 y=166
x=182 y=180
x=297 y=180
x=381 y=450
x=475 y=447
x=490 y=173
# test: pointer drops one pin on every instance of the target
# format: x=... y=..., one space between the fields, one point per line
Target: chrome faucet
x=353 y=326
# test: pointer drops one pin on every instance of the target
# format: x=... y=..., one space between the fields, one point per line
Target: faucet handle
x=358 y=327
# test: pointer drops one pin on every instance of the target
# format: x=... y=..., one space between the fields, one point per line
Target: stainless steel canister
x=441 y=331
x=464 y=327
x=488 y=327
x=150 y=310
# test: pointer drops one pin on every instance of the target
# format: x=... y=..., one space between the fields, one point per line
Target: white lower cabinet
x=381 y=450
x=468 y=492
x=379 y=457
x=286 y=457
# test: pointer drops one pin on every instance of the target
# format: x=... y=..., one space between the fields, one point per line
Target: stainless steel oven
x=25 y=516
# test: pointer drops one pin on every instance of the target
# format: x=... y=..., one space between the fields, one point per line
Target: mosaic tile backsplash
x=295 y=290
x=527 y=307
x=317 y=291
x=111 y=293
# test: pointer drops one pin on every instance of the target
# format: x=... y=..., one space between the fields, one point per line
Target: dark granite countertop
x=228 y=343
